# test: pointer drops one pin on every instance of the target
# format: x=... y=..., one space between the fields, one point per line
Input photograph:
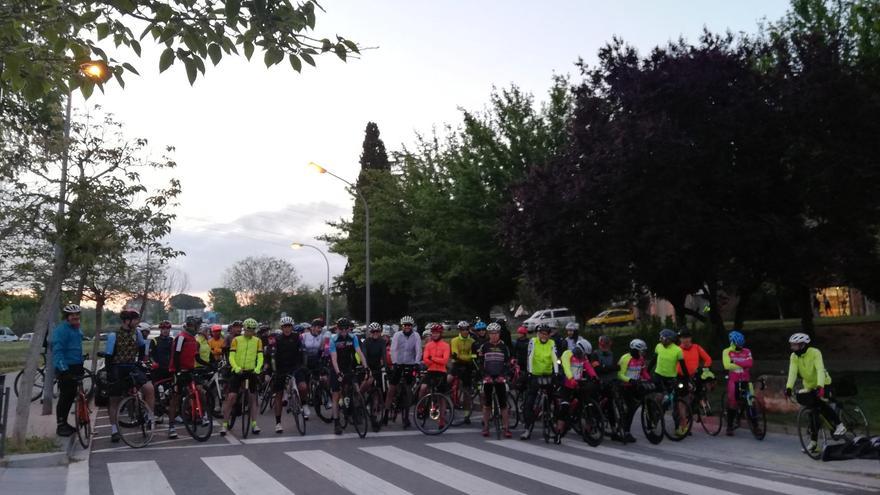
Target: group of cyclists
x=563 y=366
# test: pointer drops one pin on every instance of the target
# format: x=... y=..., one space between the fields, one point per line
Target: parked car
x=557 y=317
x=7 y=335
x=450 y=325
x=609 y=317
x=26 y=337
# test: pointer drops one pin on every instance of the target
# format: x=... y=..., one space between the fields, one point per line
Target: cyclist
x=737 y=362
x=246 y=360
x=435 y=357
x=558 y=339
x=67 y=357
x=632 y=368
x=234 y=330
x=375 y=352
x=406 y=351
x=287 y=364
x=313 y=346
x=541 y=363
x=576 y=367
x=495 y=355
x=479 y=335
x=806 y=362
x=185 y=356
x=463 y=365
x=572 y=337
x=343 y=348
x=669 y=359
x=204 y=347
x=603 y=361
x=144 y=329
x=216 y=343
x=693 y=355
x=122 y=349
x=521 y=354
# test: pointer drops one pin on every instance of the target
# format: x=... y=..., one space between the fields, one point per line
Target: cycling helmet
x=493 y=328
x=407 y=320
x=543 y=327
x=436 y=327
x=129 y=314
x=236 y=323
x=463 y=325
x=264 y=327
x=522 y=330
x=571 y=326
x=317 y=322
x=737 y=338
x=684 y=333
x=480 y=326
x=192 y=321
x=286 y=321
x=375 y=327
x=143 y=326
x=216 y=328
x=250 y=324
x=358 y=332
x=799 y=338
x=164 y=324
x=343 y=323
x=204 y=328
x=71 y=309
x=426 y=333
x=667 y=334
x=387 y=331
x=638 y=345
x=584 y=346
x=604 y=340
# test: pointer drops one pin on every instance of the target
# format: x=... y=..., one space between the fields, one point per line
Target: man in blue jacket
x=67 y=357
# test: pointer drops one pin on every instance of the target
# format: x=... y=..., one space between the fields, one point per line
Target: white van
x=7 y=335
x=557 y=317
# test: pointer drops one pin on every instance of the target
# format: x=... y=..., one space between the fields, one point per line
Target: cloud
x=211 y=247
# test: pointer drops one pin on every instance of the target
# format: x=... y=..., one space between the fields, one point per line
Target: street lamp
x=298 y=245
x=353 y=190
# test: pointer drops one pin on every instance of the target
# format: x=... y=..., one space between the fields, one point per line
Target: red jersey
x=184 y=353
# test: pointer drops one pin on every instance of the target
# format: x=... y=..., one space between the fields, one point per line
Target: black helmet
x=192 y=322
x=317 y=322
x=543 y=327
x=129 y=314
x=343 y=323
x=684 y=333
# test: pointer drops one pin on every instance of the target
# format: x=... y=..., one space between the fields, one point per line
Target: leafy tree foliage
x=186 y=302
x=255 y=278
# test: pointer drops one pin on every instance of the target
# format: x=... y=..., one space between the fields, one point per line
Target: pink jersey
x=737 y=363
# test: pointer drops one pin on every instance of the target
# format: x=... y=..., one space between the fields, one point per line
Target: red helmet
x=436 y=327
x=216 y=328
x=522 y=330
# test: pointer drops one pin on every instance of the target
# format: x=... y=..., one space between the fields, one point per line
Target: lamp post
x=354 y=192
x=299 y=245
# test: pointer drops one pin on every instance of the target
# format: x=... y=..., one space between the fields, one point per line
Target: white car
x=7 y=335
x=557 y=317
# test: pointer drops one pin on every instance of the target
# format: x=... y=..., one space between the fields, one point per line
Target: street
x=460 y=460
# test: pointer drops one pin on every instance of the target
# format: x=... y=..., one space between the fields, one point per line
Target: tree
x=257 y=276
x=223 y=301
x=186 y=302
x=44 y=43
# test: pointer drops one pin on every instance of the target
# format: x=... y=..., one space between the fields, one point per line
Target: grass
x=14 y=354
x=33 y=445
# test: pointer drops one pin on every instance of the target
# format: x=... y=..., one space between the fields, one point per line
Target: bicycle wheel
x=37 y=390
x=805 y=427
x=266 y=399
x=194 y=413
x=710 y=417
x=678 y=420
x=652 y=420
x=357 y=413
x=433 y=413
x=548 y=415
x=138 y=431
x=83 y=420
x=592 y=423
x=512 y=412
x=213 y=402
x=323 y=404
x=245 y=398
x=757 y=418
x=619 y=413
x=294 y=405
x=496 y=416
x=853 y=417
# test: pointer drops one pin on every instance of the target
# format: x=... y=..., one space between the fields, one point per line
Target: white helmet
x=286 y=321
x=387 y=331
x=493 y=328
x=463 y=325
x=407 y=320
x=571 y=326
x=799 y=338
x=638 y=344
x=143 y=326
x=375 y=326
x=584 y=345
x=71 y=309
x=426 y=333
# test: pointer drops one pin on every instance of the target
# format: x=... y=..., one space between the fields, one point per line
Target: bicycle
x=403 y=398
x=193 y=410
x=135 y=427
x=352 y=406
x=543 y=408
x=585 y=418
x=215 y=387
x=810 y=417
x=294 y=405
x=242 y=407
x=376 y=398
x=83 y=414
x=652 y=413
x=710 y=419
x=40 y=378
x=679 y=412
x=614 y=410
x=436 y=407
x=749 y=407
x=319 y=394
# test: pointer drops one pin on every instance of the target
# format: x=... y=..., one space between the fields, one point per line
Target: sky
x=244 y=134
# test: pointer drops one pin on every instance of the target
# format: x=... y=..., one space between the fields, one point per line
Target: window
x=561 y=313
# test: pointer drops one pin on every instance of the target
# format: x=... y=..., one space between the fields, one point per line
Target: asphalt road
x=462 y=461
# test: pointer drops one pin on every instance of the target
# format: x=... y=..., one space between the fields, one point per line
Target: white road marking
x=332 y=437
x=347 y=476
x=244 y=477
x=441 y=473
x=138 y=478
x=542 y=475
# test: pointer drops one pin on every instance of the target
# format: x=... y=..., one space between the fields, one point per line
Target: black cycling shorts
x=279 y=378
x=237 y=380
x=397 y=373
x=499 y=390
x=124 y=377
x=464 y=372
x=437 y=381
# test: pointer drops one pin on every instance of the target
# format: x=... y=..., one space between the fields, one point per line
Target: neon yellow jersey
x=246 y=353
x=204 y=350
x=667 y=360
x=463 y=347
x=810 y=368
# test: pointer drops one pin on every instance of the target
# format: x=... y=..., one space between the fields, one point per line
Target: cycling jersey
x=575 y=368
x=288 y=353
x=477 y=343
x=570 y=342
x=204 y=350
x=66 y=346
x=436 y=355
x=160 y=350
x=737 y=362
x=463 y=349
x=521 y=351
x=810 y=368
x=667 y=360
x=374 y=350
x=495 y=358
x=406 y=349
x=246 y=354
x=313 y=345
x=604 y=365
x=125 y=347
x=216 y=346
x=345 y=349
x=185 y=354
x=692 y=357
x=631 y=368
x=542 y=357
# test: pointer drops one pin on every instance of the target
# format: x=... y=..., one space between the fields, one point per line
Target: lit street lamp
x=354 y=192
x=297 y=245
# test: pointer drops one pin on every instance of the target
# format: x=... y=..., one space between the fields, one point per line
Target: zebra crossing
x=478 y=468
